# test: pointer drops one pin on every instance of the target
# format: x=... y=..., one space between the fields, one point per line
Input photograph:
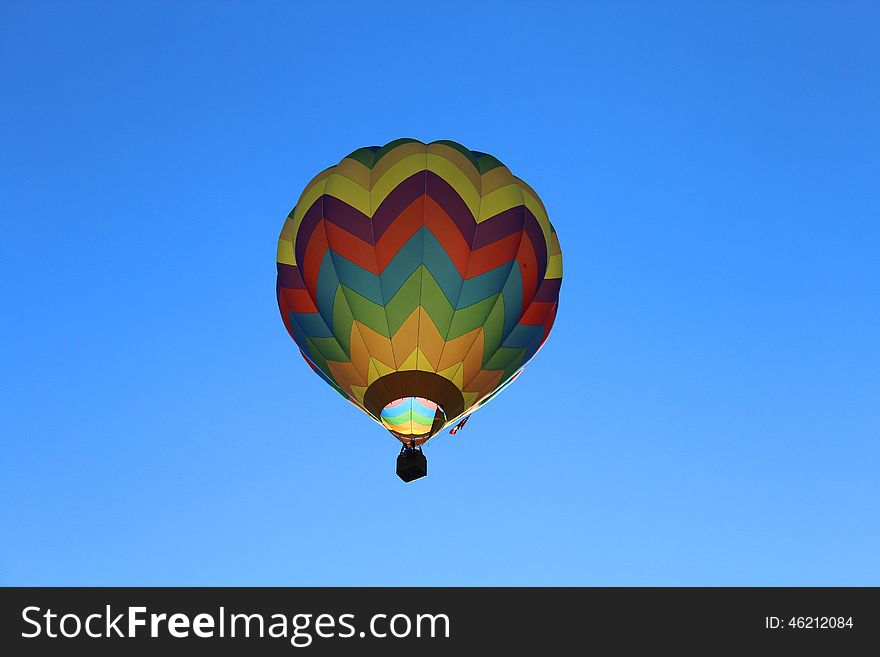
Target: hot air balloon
x=418 y=280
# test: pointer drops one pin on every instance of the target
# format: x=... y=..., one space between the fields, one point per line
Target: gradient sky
x=704 y=412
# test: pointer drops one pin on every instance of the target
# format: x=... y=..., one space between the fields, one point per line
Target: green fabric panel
x=471 y=317
x=441 y=267
x=367 y=313
x=493 y=330
x=403 y=265
x=435 y=303
x=502 y=358
x=317 y=357
x=483 y=286
x=461 y=149
x=312 y=324
x=514 y=365
x=342 y=319
x=330 y=350
x=486 y=163
x=409 y=415
x=404 y=301
x=391 y=145
x=363 y=155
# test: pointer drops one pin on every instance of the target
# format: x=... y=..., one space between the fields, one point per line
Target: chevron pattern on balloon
x=418 y=257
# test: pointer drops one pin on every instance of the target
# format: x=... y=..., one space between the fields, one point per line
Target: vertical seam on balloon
x=376 y=255
x=373 y=235
x=524 y=306
x=315 y=301
x=547 y=243
x=515 y=264
x=332 y=328
x=421 y=269
x=366 y=381
x=381 y=291
x=491 y=310
x=342 y=286
x=461 y=287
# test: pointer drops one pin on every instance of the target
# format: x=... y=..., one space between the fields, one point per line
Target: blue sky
x=704 y=413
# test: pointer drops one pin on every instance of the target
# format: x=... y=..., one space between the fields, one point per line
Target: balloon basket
x=411 y=464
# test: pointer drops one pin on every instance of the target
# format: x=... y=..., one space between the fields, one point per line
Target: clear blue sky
x=712 y=172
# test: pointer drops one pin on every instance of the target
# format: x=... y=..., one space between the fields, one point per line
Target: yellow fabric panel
x=430 y=342
x=541 y=215
x=459 y=160
x=422 y=362
x=378 y=346
x=535 y=204
x=359 y=392
x=473 y=361
x=345 y=189
x=554 y=267
x=409 y=428
x=381 y=367
x=373 y=373
x=454 y=374
x=377 y=369
x=354 y=171
x=496 y=179
x=306 y=200
x=392 y=157
x=473 y=356
x=310 y=194
x=459 y=181
x=287 y=229
x=409 y=363
x=527 y=189
x=383 y=186
x=455 y=350
x=360 y=354
x=555 y=249
x=285 y=253
x=406 y=339
x=500 y=200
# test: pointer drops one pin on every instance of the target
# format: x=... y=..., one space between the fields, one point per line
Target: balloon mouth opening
x=413 y=420
x=413 y=383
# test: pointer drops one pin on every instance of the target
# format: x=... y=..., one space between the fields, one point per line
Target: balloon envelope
x=418 y=280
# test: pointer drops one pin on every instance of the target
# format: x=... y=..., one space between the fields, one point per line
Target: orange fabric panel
x=404 y=227
x=447 y=233
x=353 y=248
x=494 y=255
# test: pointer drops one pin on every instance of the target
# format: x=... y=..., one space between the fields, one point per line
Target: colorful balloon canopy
x=418 y=280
